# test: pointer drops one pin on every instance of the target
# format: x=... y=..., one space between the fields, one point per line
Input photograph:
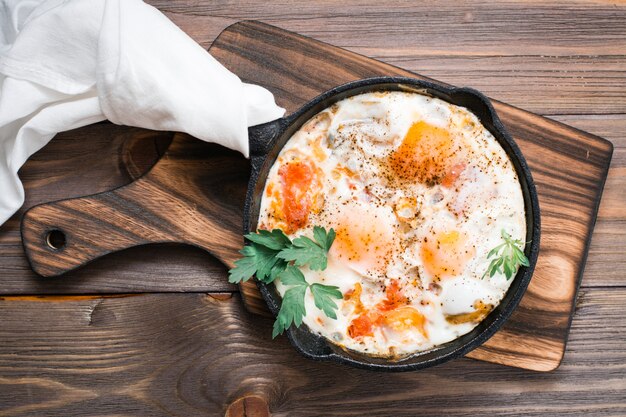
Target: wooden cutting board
x=194 y=194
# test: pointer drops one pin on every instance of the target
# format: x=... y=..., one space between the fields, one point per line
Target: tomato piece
x=361 y=326
x=297 y=178
x=392 y=312
x=394 y=298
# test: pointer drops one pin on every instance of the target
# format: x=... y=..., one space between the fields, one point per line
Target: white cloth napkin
x=69 y=63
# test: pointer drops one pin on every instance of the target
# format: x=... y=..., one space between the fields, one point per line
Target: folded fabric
x=69 y=63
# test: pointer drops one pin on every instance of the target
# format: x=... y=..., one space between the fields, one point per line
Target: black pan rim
x=264 y=138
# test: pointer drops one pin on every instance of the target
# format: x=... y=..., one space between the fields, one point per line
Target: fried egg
x=418 y=192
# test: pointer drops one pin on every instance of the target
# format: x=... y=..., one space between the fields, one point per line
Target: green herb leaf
x=521 y=258
x=278 y=267
x=272 y=255
x=292 y=310
x=325 y=240
x=509 y=257
x=508 y=271
x=304 y=251
x=244 y=268
x=276 y=239
x=260 y=258
x=495 y=250
x=268 y=265
x=292 y=276
x=323 y=296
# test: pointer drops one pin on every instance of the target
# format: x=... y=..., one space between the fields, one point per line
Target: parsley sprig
x=508 y=257
x=272 y=255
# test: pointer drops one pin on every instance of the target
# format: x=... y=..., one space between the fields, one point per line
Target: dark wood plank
x=558 y=69
x=470 y=27
x=152 y=268
x=547 y=85
x=193 y=355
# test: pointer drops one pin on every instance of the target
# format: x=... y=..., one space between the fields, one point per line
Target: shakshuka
x=418 y=192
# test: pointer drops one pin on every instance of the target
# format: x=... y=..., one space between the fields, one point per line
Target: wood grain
x=546 y=47
x=193 y=195
x=570 y=77
x=336 y=66
x=194 y=355
x=607 y=261
x=535 y=335
x=169 y=203
x=507 y=28
x=89 y=160
x=574 y=49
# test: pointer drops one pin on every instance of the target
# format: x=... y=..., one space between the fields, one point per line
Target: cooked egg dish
x=418 y=192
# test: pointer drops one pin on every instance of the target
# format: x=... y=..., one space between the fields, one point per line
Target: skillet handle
x=261 y=137
x=193 y=195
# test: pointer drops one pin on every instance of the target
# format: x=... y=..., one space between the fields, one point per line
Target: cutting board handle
x=187 y=197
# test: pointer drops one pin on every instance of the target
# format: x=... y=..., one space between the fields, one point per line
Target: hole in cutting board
x=56 y=239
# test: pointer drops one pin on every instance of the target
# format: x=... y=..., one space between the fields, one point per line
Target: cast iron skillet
x=268 y=139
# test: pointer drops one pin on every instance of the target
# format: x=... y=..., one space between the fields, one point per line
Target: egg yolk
x=424 y=154
x=364 y=237
x=361 y=326
x=445 y=254
x=404 y=318
x=299 y=187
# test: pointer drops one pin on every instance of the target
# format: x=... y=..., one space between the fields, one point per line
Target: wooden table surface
x=158 y=331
